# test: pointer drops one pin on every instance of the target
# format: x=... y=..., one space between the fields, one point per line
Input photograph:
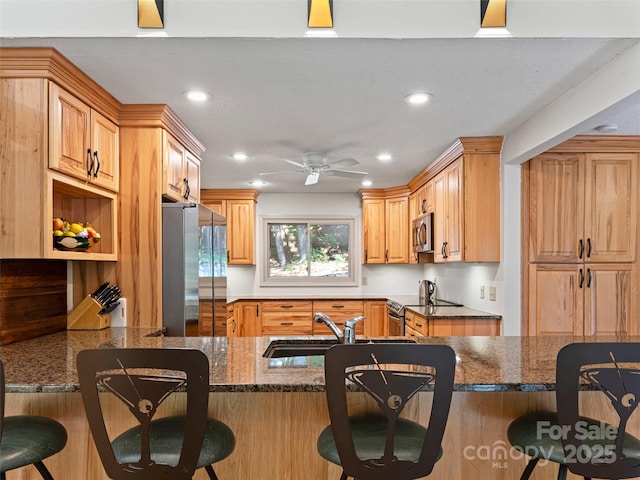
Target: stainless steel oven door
x=396 y=324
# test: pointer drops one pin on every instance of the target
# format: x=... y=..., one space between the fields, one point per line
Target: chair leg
x=343 y=476
x=529 y=468
x=562 y=472
x=212 y=474
x=43 y=471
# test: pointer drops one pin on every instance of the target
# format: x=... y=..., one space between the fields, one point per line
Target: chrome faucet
x=349 y=335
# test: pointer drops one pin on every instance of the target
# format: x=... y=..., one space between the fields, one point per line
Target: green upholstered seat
x=29 y=439
x=166 y=437
x=525 y=434
x=369 y=435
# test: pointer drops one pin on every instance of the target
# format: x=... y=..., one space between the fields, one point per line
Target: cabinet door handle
x=233 y=330
x=257 y=310
x=386 y=256
x=588 y=247
x=580 y=248
x=187 y=190
x=423 y=205
x=95 y=155
x=366 y=256
x=227 y=256
x=581 y=279
x=90 y=162
x=444 y=250
x=588 y=278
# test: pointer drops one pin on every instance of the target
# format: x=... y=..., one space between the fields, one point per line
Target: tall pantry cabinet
x=581 y=235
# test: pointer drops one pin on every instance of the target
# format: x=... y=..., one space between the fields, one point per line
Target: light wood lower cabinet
x=287 y=318
x=339 y=312
x=582 y=299
x=375 y=323
x=247 y=320
x=419 y=326
x=415 y=325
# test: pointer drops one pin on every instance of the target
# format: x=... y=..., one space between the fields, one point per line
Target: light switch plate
x=492 y=294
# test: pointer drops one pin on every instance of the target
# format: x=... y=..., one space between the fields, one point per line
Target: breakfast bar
x=276 y=406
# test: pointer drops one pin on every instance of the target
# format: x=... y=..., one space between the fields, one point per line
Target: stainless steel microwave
x=422 y=234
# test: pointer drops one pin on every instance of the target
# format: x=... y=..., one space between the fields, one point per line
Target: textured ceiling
x=280 y=98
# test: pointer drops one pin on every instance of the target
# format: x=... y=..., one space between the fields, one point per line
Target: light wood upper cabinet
x=239 y=208
x=449 y=204
x=83 y=143
x=583 y=207
x=181 y=172
x=385 y=217
x=466 y=199
x=43 y=149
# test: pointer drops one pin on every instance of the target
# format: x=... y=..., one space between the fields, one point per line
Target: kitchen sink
x=309 y=347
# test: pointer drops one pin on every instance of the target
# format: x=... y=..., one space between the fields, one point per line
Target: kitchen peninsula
x=277 y=408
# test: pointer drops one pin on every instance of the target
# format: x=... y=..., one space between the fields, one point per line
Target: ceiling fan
x=315 y=163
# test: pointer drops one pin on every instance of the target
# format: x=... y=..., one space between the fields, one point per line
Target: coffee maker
x=427 y=292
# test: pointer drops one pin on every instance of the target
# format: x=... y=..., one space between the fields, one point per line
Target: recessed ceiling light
x=384 y=157
x=196 y=95
x=607 y=128
x=240 y=156
x=418 y=98
x=257 y=183
x=366 y=183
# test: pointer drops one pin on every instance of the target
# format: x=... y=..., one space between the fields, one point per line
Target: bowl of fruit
x=74 y=236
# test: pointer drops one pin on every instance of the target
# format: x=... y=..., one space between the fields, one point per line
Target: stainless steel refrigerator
x=194 y=266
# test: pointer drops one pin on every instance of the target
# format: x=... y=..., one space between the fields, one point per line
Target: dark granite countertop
x=47 y=364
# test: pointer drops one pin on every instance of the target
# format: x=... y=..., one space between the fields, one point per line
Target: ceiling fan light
x=312 y=178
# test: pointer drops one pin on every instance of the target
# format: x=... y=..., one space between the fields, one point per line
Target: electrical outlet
x=492 y=294
x=365 y=280
x=481 y=292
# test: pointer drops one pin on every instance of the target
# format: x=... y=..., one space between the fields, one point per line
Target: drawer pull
x=337 y=306
x=286 y=306
x=286 y=324
x=418 y=324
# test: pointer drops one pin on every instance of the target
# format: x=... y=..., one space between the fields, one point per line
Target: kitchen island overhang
x=277 y=411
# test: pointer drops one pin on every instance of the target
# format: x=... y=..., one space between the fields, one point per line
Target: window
x=309 y=252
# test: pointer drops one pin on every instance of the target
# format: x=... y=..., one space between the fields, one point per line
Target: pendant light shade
x=320 y=14
x=493 y=13
x=150 y=13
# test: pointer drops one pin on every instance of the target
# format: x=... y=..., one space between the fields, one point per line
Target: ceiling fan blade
x=284 y=172
x=345 y=173
x=312 y=178
x=345 y=162
x=292 y=162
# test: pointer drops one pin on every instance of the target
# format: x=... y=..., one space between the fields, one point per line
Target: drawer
x=278 y=323
x=339 y=318
x=410 y=332
x=229 y=309
x=294 y=306
x=417 y=323
x=328 y=306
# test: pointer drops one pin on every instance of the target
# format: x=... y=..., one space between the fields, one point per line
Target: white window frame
x=350 y=280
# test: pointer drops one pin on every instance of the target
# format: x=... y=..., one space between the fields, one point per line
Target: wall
x=459 y=282
x=381 y=279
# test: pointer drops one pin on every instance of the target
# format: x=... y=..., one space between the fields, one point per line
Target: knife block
x=85 y=316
